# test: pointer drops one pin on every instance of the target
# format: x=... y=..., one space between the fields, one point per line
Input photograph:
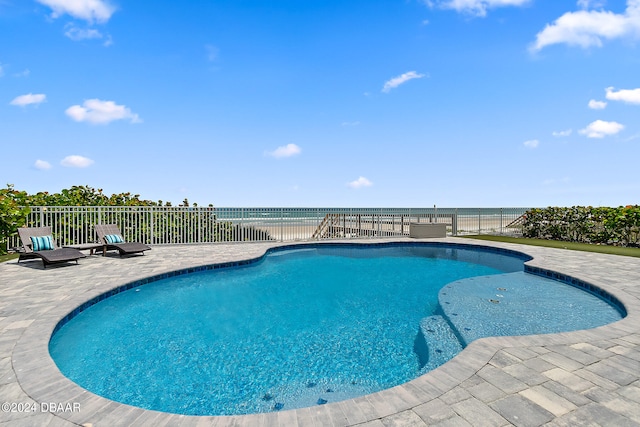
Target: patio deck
x=589 y=377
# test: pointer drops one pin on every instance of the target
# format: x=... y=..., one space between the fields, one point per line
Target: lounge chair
x=37 y=242
x=111 y=237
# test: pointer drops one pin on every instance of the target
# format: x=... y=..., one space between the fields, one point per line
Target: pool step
x=435 y=343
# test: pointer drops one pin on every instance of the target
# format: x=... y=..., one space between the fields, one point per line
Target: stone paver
x=521 y=411
x=578 y=378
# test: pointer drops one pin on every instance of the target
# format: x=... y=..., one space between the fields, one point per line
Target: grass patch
x=8 y=257
x=603 y=249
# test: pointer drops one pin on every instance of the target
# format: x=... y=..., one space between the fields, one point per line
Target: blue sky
x=413 y=103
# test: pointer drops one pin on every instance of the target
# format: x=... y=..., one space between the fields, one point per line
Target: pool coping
x=459 y=381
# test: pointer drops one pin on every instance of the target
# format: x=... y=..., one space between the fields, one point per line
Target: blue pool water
x=307 y=326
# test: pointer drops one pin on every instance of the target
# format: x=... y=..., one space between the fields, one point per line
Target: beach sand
x=304 y=230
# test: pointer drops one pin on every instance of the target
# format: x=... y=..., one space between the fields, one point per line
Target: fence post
x=454 y=223
x=152 y=235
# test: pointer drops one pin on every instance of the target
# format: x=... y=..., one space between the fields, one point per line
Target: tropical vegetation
x=585 y=224
x=78 y=224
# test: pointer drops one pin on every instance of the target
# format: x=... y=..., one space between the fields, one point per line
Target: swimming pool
x=282 y=332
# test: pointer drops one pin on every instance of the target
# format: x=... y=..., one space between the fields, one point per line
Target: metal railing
x=162 y=225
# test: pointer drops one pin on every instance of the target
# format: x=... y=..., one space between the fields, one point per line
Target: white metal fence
x=161 y=225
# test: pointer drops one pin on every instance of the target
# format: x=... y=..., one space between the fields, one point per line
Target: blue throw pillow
x=42 y=243
x=113 y=238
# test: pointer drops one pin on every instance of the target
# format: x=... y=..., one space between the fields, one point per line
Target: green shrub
x=165 y=223
x=603 y=225
x=12 y=213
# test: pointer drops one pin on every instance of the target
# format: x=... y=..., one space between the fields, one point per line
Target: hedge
x=585 y=224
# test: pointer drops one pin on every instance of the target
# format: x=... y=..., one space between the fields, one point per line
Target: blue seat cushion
x=42 y=243
x=113 y=238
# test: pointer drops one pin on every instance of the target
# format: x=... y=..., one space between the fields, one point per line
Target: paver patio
x=589 y=377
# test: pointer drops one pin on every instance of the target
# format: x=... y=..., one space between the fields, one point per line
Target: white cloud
x=87 y=10
x=1 y=70
x=591 y=4
x=587 y=28
x=212 y=52
x=600 y=129
x=76 y=34
x=360 y=182
x=76 y=161
x=403 y=78
x=24 y=73
x=532 y=143
x=474 y=7
x=553 y=181
x=597 y=105
x=562 y=133
x=285 y=151
x=632 y=137
x=42 y=165
x=97 y=111
x=30 y=98
x=631 y=96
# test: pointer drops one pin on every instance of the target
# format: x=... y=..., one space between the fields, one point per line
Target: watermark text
x=53 y=407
